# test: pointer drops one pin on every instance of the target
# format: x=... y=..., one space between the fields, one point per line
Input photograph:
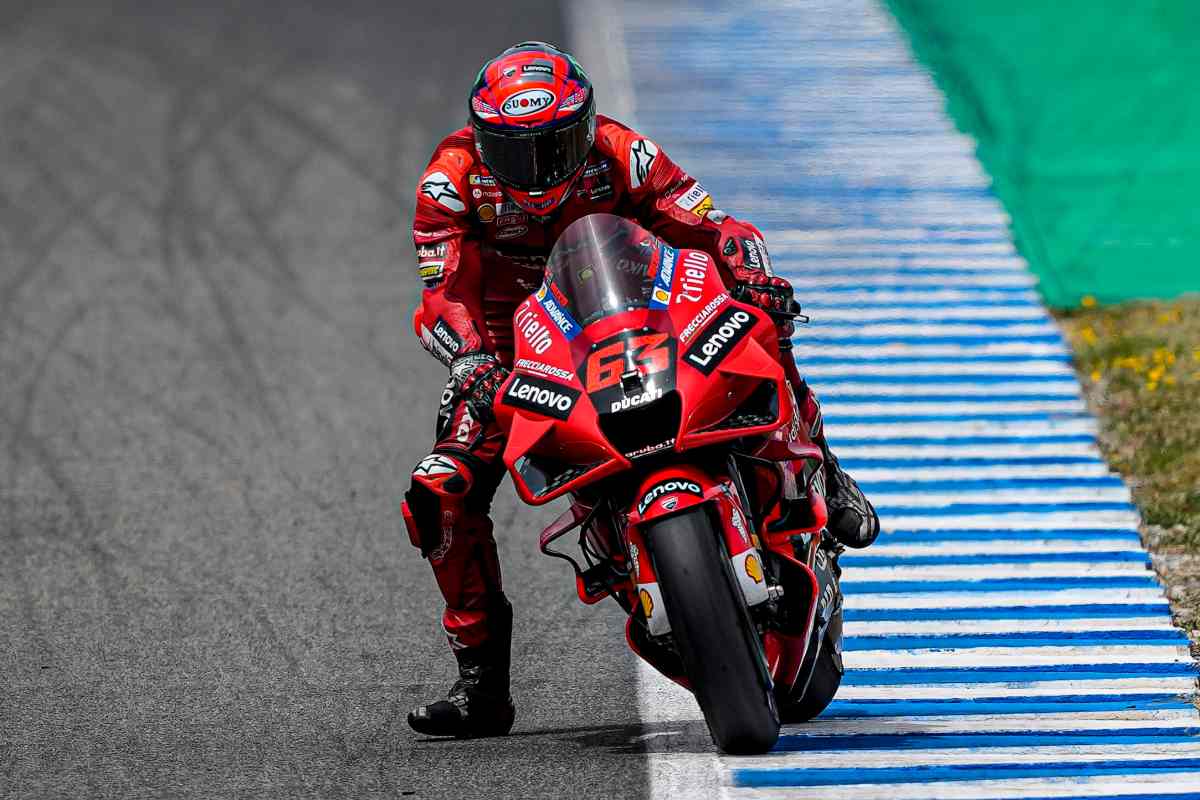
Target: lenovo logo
x=719 y=339
x=543 y=397
x=673 y=486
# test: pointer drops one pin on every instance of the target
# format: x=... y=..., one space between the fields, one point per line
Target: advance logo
x=543 y=397
x=673 y=486
x=718 y=339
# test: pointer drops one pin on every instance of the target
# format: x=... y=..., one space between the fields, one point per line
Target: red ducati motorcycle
x=656 y=401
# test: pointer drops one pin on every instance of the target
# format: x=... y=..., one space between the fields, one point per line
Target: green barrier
x=1087 y=116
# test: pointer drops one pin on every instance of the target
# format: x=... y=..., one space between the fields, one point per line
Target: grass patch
x=1140 y=368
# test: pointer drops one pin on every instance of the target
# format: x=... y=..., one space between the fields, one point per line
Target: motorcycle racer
x=490 y=205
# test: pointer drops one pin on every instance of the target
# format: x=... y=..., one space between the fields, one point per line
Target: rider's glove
x=476 y=378
x=742 y=247
x=768 y=292
x=773 y=295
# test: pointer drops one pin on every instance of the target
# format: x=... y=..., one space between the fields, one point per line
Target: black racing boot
x=852 y=518
x=479 y=703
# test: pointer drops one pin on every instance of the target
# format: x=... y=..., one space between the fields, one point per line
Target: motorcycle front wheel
x=721 y=651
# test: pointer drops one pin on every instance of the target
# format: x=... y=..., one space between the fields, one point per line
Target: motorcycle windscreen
x=604 y=265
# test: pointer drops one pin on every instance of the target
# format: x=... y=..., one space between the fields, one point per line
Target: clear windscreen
x=603 y=265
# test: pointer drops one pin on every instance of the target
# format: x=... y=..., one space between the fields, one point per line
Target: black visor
x=537 y=159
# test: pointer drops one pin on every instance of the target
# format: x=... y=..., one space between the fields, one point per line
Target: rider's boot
x=852 y=518
x=479 y=703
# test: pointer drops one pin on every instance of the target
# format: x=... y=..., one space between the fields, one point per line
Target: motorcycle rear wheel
x=721 y=651
x=826 y=679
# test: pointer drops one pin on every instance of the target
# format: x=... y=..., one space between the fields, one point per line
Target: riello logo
x=530 y=101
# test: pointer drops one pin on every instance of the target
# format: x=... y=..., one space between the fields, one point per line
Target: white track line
x=999 y=755
x=1153 y=785
x=1063 y=548
x=1016 y=520
x=959 y=430
x=1099 y=626
x=900 y=352
x=884 y=495
x=1172 y=685
x=1016 y=656
x=1003 y=599
x=951 y=449
x=992 y=572
x=1131 y=720
x=919 y=328
x=1060 y=388
x=915 y=471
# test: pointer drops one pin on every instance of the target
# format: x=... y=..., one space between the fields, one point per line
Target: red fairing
x=479 y=254
x=551 y=404
x=643 y=390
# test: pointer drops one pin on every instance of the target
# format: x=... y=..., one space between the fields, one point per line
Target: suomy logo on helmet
x=530 y=101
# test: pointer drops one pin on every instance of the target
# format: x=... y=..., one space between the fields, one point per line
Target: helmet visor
x=536 y=160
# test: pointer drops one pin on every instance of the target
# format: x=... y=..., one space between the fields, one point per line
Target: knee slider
x=434 y=500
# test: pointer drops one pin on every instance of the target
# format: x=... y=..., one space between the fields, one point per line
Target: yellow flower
x=1135 y=363
x=1151 y=386
x=1096 y=375
x=1088 y=301
x=1088 y=335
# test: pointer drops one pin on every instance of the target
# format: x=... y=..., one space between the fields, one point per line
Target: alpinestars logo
x=673 y=486
x=438 y=188
x=641 y=159
x=719 y=339
x=542 y=397
x=435 y=465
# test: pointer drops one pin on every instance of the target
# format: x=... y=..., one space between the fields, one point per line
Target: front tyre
x=717 y=642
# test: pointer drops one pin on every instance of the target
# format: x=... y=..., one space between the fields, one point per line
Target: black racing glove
x=476 y=378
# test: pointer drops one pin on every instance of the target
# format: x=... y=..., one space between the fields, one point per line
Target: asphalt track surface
x=210 y=399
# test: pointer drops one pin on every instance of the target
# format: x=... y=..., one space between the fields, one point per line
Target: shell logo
x=487 y=212
x=647 y=603
x=754 y=568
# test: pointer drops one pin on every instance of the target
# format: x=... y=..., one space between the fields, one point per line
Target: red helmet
x=535 y=121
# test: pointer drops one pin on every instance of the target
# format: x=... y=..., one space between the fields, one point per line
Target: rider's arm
x=678 y=208
x=448 y=259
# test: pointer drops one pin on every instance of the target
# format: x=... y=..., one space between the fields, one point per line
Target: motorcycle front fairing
x=629 y=349
x=631 y=354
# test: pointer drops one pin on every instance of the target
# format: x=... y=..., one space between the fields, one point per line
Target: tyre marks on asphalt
x=210 y=398
x=1006 y=637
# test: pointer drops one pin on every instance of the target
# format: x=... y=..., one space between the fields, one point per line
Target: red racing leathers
x=481 y=256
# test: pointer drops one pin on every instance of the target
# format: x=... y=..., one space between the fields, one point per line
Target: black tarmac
x=210 y=400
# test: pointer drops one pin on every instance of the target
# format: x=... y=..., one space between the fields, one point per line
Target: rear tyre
x=720 y=649
x=826 y=678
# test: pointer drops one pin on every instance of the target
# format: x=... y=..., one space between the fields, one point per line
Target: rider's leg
x=445 y=511
x=852 y=518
